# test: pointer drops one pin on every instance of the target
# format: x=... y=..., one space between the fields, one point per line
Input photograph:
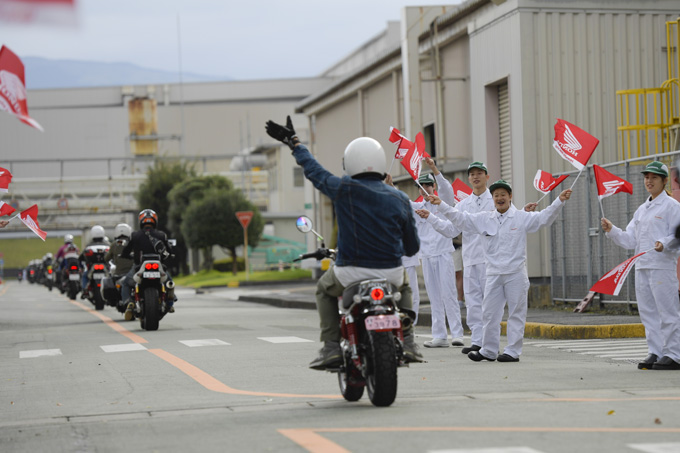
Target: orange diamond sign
x=244 y=217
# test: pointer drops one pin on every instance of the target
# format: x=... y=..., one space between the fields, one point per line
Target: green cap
x=656 y=167
x=426 y=179
x=479 y=165
x=500 y=184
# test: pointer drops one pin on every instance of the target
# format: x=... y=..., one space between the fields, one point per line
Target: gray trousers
x=329 y=288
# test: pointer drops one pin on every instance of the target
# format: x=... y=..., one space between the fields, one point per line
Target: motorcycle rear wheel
x=381 y=379
x=152 y=309
x=98 y=301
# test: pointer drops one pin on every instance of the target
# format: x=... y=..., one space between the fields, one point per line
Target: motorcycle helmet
x=68 y=239
x=97 y=233
x=148 y=217
x=48 y=255
x=122 y=230
x=364 y=155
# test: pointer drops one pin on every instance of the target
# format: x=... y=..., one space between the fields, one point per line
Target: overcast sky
x=244 y=39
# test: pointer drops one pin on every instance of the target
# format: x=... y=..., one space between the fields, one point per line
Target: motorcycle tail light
x=154 y=266
x=49 y=271
x=377 y=293
x=148 y=266
x=74 y=268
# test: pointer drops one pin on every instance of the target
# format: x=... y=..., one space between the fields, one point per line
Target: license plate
x=74 y=277
x=98 y=275
x=151 y=275
x=382 y=322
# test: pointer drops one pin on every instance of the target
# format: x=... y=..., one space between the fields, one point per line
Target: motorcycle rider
x=375 y=229
x=122 y=234
x=61 y=255
x=97 y=237
x=141 y=243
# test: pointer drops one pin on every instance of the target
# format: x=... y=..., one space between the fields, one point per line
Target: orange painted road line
x=3 y=289
x=190 y=370
x=215 y=385
x=310 y=440
x=111 y=323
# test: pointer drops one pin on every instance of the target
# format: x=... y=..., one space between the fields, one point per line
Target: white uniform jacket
x=473 y=244
x=505 y=235
x=432 y=242
x=655 y=220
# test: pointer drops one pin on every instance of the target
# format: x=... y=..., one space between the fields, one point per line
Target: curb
x=531 y=329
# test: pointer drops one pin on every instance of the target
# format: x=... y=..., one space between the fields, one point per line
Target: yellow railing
x=649 y=118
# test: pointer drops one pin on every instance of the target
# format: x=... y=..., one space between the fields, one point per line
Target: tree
x=183 y=193
x=152 y=194
x=211 y=220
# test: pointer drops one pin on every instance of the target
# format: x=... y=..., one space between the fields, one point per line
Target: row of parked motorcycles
x=149 y=288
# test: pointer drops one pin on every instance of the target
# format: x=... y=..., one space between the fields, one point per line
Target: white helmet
x=97 y=232
x=122 y=229
x=48 y=255
x=364 y=155
x=68 y=239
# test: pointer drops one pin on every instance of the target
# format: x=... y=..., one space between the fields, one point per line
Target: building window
x=298 y=177
x=430 y=144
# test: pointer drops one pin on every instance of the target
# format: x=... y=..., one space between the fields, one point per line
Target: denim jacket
x=375 y=223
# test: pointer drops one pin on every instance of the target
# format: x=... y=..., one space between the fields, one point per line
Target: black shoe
x=330 y=356
x=649 y=361
x=473 y=347
x=507 y=358
x=666 y=363
x=478 y=357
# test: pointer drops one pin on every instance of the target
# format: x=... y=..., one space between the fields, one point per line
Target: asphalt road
x=222 y=375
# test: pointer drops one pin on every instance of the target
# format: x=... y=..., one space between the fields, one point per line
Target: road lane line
x=313 y=442
x=111 y=323
x=38 y=353
x=215 y=385
x=207 y=342
x=278 y=340
x=123 y=347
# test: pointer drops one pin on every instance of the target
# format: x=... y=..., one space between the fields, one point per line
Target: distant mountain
x=43 y=73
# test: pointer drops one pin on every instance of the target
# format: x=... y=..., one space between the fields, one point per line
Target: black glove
x=285 y=134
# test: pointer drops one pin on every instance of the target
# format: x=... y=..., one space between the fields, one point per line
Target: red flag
x=609 y=184
x=5 y=179
x=5 y=209
x=403 y=147
x=612 y=281
x=39 y=12
x=573 y=143
x=30 y=219
x=413 y=161
x=460 y=190
x=545 y=182
x=13 y=87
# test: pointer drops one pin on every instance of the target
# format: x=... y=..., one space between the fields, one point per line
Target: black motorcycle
x=97 y=270
x=153 y=291
x=372 y=339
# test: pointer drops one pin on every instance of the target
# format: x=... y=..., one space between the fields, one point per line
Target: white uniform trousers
x=656 y=291
x=474 y=280
x=440 y=284
x=514 y=289
x=412 y=273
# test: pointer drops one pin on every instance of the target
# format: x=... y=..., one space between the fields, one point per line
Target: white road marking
x=123 y=347
x=630 y=350
x=210 y=342
x=285 y=340
x=39 y=353
x=673 y=447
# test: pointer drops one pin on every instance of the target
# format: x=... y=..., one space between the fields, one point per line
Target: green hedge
x=226 y=264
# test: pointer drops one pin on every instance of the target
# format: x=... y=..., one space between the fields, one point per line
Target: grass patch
x=18 y=252
x=216 y=278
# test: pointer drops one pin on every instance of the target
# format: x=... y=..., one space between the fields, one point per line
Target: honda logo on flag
x=609 y=184
x=574 y=144
x=13 y=87
x=612 y=281
x=545 y=182
x=460 y=190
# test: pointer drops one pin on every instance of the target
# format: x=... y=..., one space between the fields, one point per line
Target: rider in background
x=122 y=234
x=97 y=237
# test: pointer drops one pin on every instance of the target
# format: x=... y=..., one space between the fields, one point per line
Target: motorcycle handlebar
x=319 y=254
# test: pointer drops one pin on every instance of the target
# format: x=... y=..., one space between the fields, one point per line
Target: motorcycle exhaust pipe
x=406 y=319
x=170 y=290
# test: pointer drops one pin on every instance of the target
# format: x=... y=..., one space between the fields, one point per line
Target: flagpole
x=574 y=183
x=544 y=195
x=389 y=171
x=601 y=208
